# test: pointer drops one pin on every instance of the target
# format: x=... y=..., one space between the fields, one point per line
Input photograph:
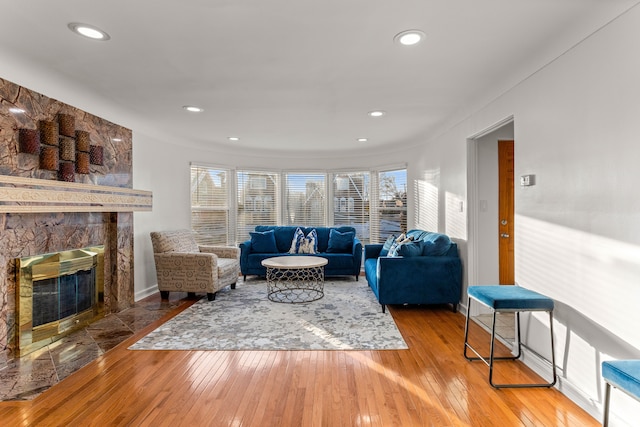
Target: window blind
x=210 y=205
x=389 y=213
x=351 y=202
x=305 y=199
x=258 y=201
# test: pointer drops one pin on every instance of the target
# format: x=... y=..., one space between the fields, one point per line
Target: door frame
x=473 y=209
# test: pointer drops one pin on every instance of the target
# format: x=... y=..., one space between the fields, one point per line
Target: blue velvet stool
x=514 y=299
x=623 y=375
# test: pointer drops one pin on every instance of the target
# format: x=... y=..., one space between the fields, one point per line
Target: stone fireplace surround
x=39 y=214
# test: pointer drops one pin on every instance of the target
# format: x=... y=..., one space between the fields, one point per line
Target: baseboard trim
x=140 y=295
x=542 y=367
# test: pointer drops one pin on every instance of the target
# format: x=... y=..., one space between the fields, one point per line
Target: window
x=351 y=202
x=210 y=205
x=374 y=203
x=305 y=199
x=258 y=201
x=389 y=215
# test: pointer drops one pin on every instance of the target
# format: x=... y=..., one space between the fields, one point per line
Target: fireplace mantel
x=30 y=195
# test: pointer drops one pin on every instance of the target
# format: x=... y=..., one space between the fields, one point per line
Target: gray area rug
x=348 y=317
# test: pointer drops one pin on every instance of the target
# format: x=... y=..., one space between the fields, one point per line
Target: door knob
x=504 y=235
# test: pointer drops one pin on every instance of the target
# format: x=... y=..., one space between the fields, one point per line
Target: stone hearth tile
x=73 y=352
x=27 y=377
x=109 y=332
x=137 y=318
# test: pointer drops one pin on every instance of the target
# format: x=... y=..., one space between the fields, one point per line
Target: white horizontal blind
x=305 y=199
x=258 y=201
x=389 y=212
x=351 y=202
x=210 y=205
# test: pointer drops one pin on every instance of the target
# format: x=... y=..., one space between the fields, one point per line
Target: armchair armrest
x=221 y=251
x=169 y=260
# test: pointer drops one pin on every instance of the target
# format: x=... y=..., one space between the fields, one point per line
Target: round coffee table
x=295 y=279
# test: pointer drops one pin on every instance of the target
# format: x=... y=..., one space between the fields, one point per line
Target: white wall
x=578 y=229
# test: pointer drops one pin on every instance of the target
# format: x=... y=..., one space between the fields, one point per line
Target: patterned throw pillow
x=304 y=245
x=387 y=245
x=309 y=244
x=298 y=237
x=395 y=248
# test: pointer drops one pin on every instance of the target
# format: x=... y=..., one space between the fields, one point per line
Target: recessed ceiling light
x=409 y=37
x=193 y=109
x=16 y=110
x=362 y=139
x=234 y=138
x=89 y=31
x=376 y=113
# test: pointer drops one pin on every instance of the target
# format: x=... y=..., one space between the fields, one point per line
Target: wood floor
x=431 y=384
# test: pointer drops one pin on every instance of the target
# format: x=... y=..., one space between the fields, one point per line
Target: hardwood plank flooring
x=430 y=384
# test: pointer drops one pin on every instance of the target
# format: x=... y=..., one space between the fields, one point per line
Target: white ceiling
x=299 y=74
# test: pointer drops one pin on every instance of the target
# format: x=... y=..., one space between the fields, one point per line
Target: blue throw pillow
x=340 y=242
x=410 y=249
x=263 y=242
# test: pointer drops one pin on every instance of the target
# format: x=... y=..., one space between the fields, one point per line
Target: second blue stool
x=514 y=299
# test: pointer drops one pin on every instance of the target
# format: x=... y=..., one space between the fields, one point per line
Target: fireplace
x=57 y=293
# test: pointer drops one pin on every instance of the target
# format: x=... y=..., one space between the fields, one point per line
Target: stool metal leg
x=479 y=356
x=607 y=397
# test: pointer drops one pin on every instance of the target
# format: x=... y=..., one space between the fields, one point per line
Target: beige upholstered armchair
x=184 y=266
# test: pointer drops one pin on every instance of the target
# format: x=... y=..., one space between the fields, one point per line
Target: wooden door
x=506 y=212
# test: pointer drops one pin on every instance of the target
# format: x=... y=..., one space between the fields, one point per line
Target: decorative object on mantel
x=68 y=149
x=83 y=140
x=82 y=162
x=66 y=172
x=67 y=125
x=75 y=149
x=48 y=132
x=29 y=141
x=49 y=158
x=96 y=155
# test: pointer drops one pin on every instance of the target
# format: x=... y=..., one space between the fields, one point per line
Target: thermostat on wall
x=527 y=180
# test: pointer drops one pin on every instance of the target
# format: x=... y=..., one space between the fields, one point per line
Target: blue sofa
x=428 y=271
x=346 y=263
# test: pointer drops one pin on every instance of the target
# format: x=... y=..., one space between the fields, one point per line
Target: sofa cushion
x=435 y=244
x=340 y=242
x=410 y=249
x=263 y=242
